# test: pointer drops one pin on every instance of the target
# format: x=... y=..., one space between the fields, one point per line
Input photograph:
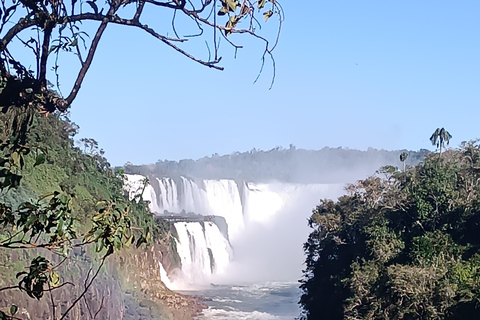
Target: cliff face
x=140 y=278
x=128 y=287
x=104 y=298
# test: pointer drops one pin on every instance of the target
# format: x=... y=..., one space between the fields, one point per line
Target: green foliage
x=85 y=203
x=440 y=137
x=399 y=245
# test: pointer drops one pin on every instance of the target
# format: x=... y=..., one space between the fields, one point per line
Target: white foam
x=220 y=314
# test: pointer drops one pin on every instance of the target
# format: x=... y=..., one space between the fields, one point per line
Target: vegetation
x=399 y=245
x=328 y=165
x=69 y=231
x=54 y=199
x=49 y=29
x=439 y=138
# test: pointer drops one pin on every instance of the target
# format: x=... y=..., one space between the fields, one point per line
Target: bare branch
x=45 y=51
x=91 y=53
x=178 y=4
x=136 y=17
x=22 y=24
x=87 y=286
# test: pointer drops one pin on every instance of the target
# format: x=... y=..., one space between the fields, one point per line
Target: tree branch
x=22 y=24
x=136 y=17
x=91 y=53
x=85 y=290
x=42 y=76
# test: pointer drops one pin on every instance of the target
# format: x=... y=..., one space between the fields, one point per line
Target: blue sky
x=357 y=74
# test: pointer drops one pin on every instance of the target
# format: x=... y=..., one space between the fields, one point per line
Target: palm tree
x=403 y=157
x=439 y=137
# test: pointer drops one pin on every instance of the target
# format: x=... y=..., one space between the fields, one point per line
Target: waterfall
x=267 y=224
x=203 y=251
x=224 y=200
x=168 y=195
x=163 y=276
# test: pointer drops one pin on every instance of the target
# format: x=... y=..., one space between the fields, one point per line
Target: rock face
x=128 y=287
x=140 y=274
x=104 y=297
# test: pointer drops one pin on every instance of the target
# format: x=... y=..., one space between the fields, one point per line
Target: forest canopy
x=399 y=245
x=328 y=165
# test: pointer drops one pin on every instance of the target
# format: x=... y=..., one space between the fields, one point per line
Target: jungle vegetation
x=328 y=165
x=399 y=244
x=63 y=212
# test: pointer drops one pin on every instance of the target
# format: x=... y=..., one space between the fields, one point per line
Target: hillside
x=399 y=245
x=61 y=198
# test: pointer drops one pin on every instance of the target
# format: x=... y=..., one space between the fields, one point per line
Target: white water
x=267 y=225
x=163 y=276
x=193 y=246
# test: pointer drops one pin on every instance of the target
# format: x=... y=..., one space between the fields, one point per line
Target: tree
x=403 y=158
x=403 y=246
x=68 y=231
x=439 y=137
x=50 y=28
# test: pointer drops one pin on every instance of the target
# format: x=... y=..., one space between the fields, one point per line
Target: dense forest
x=328 y=165
x=72 y=245
x=399 y=245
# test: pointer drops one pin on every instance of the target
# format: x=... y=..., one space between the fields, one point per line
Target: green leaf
x=13 y=309
x=130 y=241
x=39 y=160
x=140 y=241
x=260 y=4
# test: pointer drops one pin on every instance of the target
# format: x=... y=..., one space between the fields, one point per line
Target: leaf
x=100 y=203
x=46 y=195
x=232 y=5
x=13 y=309
x=223 y=11
x=130 y=241
x=244 y=10
x=94 y=6
x=140 y=241
x=267 y=15
x=54 y=279
x=260 y=4
x=73 y=43
x=39 y=160
x=16 y=158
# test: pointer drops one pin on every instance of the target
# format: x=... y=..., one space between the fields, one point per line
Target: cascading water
x=203 y=251
x=267 y=225
x=256 y=216
x=168 y=195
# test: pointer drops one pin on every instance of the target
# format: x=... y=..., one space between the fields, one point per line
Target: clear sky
x=357 y=74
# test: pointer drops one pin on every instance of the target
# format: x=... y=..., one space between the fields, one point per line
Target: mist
x=272 y=249
x=265 y=197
